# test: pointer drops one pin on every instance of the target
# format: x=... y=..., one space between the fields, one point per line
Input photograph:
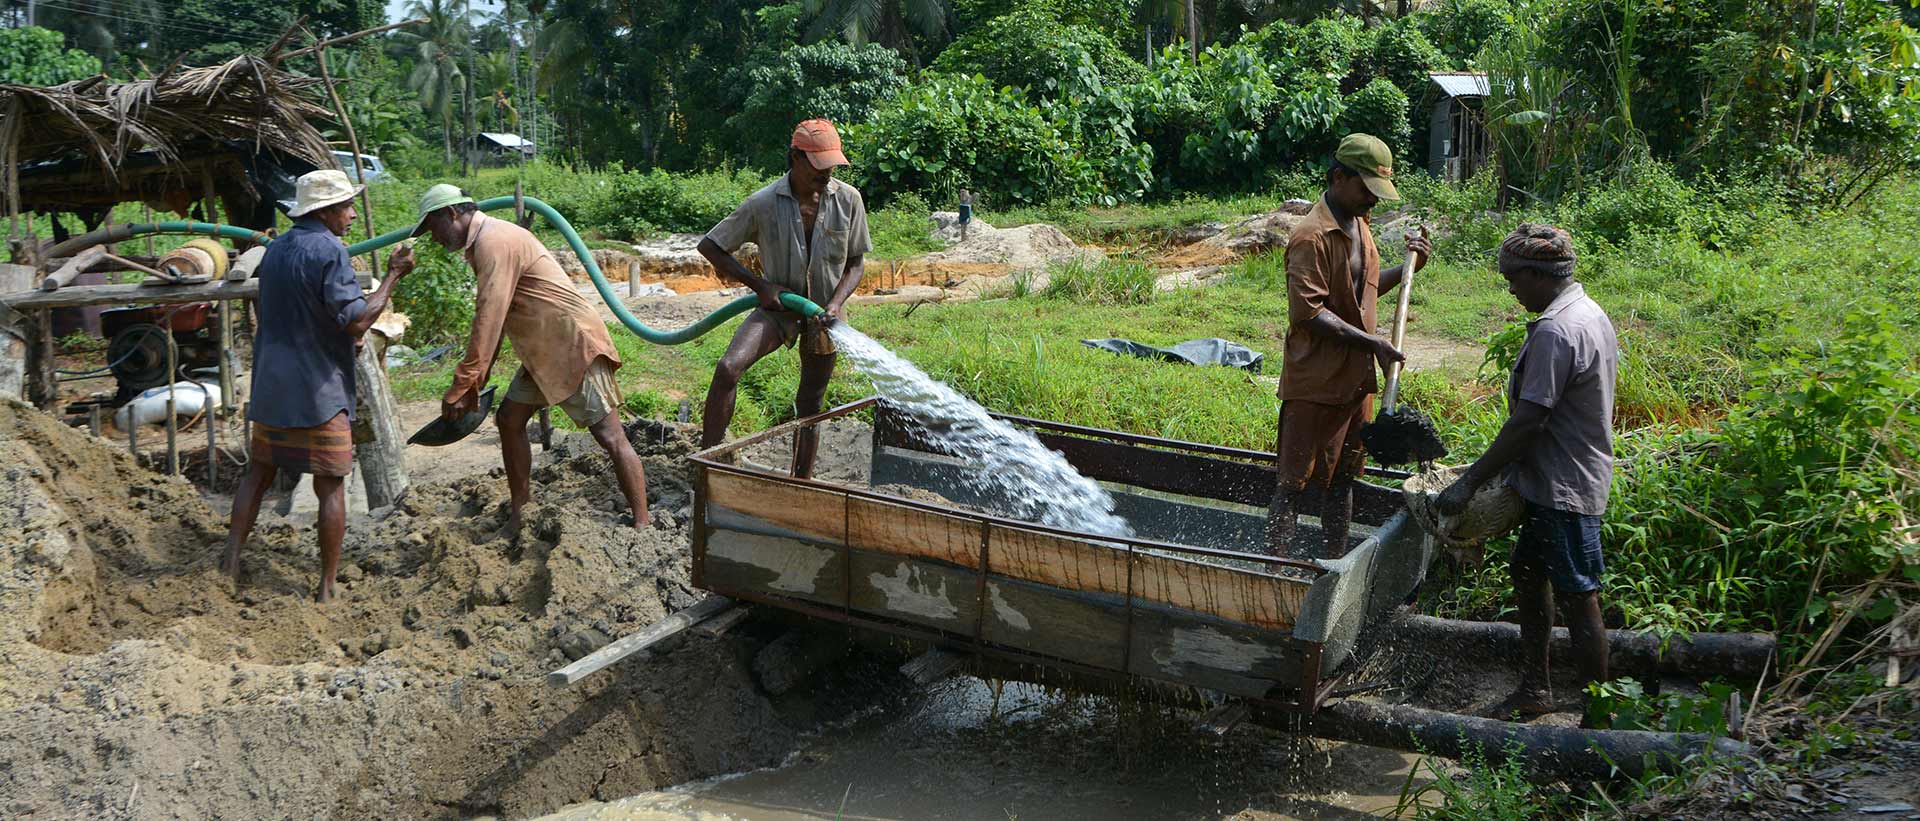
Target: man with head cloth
x=1556 y=450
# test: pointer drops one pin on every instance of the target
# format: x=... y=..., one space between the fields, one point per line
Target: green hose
x=794 y=302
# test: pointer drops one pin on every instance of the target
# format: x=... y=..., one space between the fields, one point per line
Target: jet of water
x=1010 y=463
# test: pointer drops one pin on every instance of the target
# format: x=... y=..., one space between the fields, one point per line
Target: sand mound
x=126 y=659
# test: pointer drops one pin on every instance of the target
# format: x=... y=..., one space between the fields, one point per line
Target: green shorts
x=596 y=397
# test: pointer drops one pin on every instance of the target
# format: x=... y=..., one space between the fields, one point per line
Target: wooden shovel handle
x=1391 y=395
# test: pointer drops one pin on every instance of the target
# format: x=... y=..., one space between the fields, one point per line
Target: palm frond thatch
x=246 y=99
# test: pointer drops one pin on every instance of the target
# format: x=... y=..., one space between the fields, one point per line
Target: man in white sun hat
x=309 y=314
x=566 y=355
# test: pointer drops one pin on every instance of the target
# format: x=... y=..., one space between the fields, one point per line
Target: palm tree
x=494 y=76
x=886 y=22
x=437 y=48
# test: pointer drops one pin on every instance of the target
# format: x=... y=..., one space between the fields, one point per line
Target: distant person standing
x=566 y=355
x=1556 y=449
x=1328 y=380
x=966 y=212
x=310 y=315
x=812 y=233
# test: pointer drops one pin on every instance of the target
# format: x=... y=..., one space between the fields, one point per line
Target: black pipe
x=1733 y=656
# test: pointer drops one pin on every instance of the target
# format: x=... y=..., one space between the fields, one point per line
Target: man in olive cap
x=566 y=355
x=812 y=233
x=1327 y=382
x=1556 y=450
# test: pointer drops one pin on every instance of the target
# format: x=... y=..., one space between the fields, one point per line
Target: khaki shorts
x=811 y=335
x=597 y=396
x=1320 y=444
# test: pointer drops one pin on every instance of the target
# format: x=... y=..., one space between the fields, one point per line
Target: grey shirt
x=770 y=218
x=1567 y=365
x=302 y=353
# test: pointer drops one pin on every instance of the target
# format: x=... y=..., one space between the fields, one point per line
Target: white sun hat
x=318 y=189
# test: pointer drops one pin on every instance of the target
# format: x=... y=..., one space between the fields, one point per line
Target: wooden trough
x=1185 y=601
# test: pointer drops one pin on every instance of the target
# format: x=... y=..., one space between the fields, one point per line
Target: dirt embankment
x=136 y=682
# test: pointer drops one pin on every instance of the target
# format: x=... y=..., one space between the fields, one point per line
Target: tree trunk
x=1193 y=31
x=383 y=464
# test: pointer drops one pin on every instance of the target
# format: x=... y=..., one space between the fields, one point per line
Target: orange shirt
x=521 y=291
x=1317 y=368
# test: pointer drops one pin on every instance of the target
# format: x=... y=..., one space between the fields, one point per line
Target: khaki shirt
x=1568 y=365
x=1319 y=369
x=770 y=218
x=521 y=290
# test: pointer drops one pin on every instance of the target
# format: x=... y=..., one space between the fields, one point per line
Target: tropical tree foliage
x=39 y=57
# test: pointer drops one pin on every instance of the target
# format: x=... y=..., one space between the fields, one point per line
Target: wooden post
x=94 y=423
x=43 y=385
x=15 y=332
x=383 y=462
x=633 y=278
x=353 y=143
x=173 y=422
x=133 y=436
x=213 y=445
x=226 y=358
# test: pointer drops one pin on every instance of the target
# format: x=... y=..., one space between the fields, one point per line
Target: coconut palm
x=437 y=48
x=887 y=22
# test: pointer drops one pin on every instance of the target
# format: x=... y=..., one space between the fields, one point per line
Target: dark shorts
x=1320 y=444
x=1566 y=545
x=323 y=450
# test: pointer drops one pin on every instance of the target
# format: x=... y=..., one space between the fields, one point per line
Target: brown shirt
x=521 y=290
x=1319 y=278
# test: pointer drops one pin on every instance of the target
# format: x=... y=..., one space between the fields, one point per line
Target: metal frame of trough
x=1119 y=459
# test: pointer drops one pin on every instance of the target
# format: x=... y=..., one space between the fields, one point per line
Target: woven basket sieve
x=1494 y=510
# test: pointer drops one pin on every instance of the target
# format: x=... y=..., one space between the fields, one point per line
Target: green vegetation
x=34 y=56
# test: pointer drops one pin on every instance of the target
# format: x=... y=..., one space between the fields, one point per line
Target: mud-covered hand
x=1453 y=501
x=400 y=263
x=1422 y=245
x=466 y=404
x=1385 y=354
x=770 y=297
x=834 y=314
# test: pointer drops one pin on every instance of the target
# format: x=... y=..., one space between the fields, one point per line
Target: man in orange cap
x=812 y=233
x=1327 y=381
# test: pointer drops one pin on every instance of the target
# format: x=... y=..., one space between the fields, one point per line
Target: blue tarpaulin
x=1211 y=351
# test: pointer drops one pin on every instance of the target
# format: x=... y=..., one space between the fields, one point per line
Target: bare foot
x=637 y=524
x=324 y=594
x=512 y=527
x=1526 y=703
x=230 y=565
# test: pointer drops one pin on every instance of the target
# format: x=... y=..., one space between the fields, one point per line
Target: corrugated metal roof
x=1461 y=83
x=507 y=140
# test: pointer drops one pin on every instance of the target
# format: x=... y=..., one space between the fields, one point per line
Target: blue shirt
x=302 y=353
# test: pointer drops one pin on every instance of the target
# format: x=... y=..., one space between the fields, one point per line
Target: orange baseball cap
x=821 y=142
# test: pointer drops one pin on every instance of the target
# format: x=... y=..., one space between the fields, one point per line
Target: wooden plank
x=918 y=591
x=931 y=666
x=909 y=531
x=814 y=511
x=78 y=296
x=74 y=266
x=1271 y=602
x=771 y=564
x=43 y=385
x=1083 y=628
x=719 y=625
x=1222 y=719
x=1234 y=659
x=242 y=269
x=628 y=645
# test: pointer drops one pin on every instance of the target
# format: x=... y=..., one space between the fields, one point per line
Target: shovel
x=1398 y=435
x=442 y=431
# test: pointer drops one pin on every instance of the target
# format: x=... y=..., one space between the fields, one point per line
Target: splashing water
x=1010 y=462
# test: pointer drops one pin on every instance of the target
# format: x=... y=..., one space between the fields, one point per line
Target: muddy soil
x=136 y=682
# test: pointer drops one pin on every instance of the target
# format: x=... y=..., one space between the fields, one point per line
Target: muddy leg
x=816 y=370
x=626 y=465
x=1336 y=519
x=1588 y=632
x=331 y=491
x=1533 y=597
x=1283 y=520
x=758 y=336
x=516 y=453
x=246 y=508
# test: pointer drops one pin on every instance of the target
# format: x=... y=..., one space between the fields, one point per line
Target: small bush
x=437 y=298
x=1649 y=198
x=636 y=204
x=1029 y=48
x=1380 y=108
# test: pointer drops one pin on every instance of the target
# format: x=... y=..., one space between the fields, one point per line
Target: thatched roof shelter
x=181 y=136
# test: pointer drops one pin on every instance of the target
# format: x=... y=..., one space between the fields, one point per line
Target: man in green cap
x=1327 y=382
x=566 y=356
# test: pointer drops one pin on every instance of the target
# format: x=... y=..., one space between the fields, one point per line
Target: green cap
x=1366 y=154
x=436 y=198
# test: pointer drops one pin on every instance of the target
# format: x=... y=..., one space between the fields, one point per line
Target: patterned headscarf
x=1543 y=248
